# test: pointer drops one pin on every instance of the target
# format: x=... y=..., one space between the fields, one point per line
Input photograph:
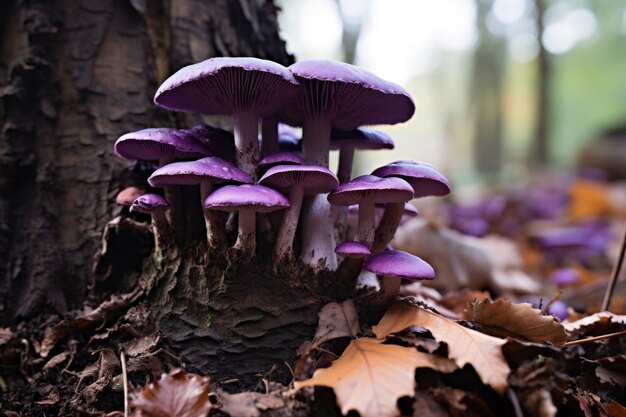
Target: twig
x=125 y=381
x=593 y=339
x=615 y=274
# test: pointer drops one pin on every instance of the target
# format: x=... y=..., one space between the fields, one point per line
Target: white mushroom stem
x=246 y=236
x=317 y=226
x=367 y=225
x=212 y=219
x=269 y=142
x=346 y=158
x=287 y=230
x=246 y=131
x=387 y=227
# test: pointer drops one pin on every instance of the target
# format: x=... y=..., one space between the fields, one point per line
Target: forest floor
x=482 y=339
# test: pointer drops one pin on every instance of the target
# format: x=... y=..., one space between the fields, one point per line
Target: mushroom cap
x=226 y=85
x=348 y=95
x=219 y=142
x=281 y=158
x=158 y=143
x=352 y=249
x=564 y=276
x=399 y=264
x=149 y=203
x=209 y=169
x=372 y=188
x=424 y=178
x=365 y=139
x=315 y=179
x=246 y=196
x=128 y=195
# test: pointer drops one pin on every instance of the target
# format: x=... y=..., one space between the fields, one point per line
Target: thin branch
x=125 y=381
x=593 y=339
x=615 y=274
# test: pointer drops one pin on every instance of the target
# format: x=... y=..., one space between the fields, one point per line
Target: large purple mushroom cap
x=371 y=188
x=162 y=144
x=352 y=96
x=424 y=178
x=210 y=169
x=229 y=85
x=399 y=264
x=352 y=249
x=149 y=203
x=236 y=197
x=314 y=179
x=360 y=139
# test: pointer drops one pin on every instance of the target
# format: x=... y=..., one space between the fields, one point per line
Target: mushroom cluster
x=241 y=178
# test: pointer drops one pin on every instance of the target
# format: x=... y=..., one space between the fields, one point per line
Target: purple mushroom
x=564 y=277
x=425 y=180
x=349 y=141
x=366 y=191
x=156 y=206
x=346 y=97
x=352 y=249
x=280 y=158
x=247 y=199
x=299 y=180
x=394 y=265
x=219 y=142
x=205 y=172
x=245 y=88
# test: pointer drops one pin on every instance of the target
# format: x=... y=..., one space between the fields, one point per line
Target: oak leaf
x=465 y=345
x=177 y=394
x=502 y=318
x=598 y=319
x=370 y=376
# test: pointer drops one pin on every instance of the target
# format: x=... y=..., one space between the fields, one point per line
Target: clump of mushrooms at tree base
x=276 y=172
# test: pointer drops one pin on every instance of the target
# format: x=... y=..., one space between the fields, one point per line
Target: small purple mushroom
x=564 y=277
x=247 y=199
x=280 y=158
x=425 y=180
x=352 y=249
x=156 y=206
x=366 y=191
x=299 y=180
x=205 y=172
x=394 y=265
x=219 y=142
x=245 y=88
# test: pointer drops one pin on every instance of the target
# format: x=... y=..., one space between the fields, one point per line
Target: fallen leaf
x=539 y=403
x=177 y=394
x=601 y=318
x=615 y=409
x=249 y=404
x=588 y=199
x=465 y=346
x=612 y=370
x=336 y=320
x=502 y=318
x=370 y=376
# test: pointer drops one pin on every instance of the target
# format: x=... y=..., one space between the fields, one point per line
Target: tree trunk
x=74 y=76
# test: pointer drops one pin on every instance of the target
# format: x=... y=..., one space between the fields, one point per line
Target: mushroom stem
x=365 y=229
x=317 y=226
x=269 y=143
x=161 y=229
x=246 y=236
x=387 y=227
x=390 y=288
x=344 y=170
x=316 y=140
x=246 y=130
x=287 y=230
x=212 y=219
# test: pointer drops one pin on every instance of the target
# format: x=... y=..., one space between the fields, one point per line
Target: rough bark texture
x=75 y=75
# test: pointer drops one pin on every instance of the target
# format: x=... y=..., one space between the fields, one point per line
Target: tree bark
x=74 y=76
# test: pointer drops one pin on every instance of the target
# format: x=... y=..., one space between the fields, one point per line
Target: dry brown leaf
x=615 y=409
x=588 y=199
x=336 y=320
x=594 y=319
x=177 y=394
x=465 y=346
x=502 y=318
x=249 y=404
x=370 y=376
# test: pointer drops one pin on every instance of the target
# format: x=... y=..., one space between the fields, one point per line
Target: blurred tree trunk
x=75 y=75
x=541 y=149
x=486 y=98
